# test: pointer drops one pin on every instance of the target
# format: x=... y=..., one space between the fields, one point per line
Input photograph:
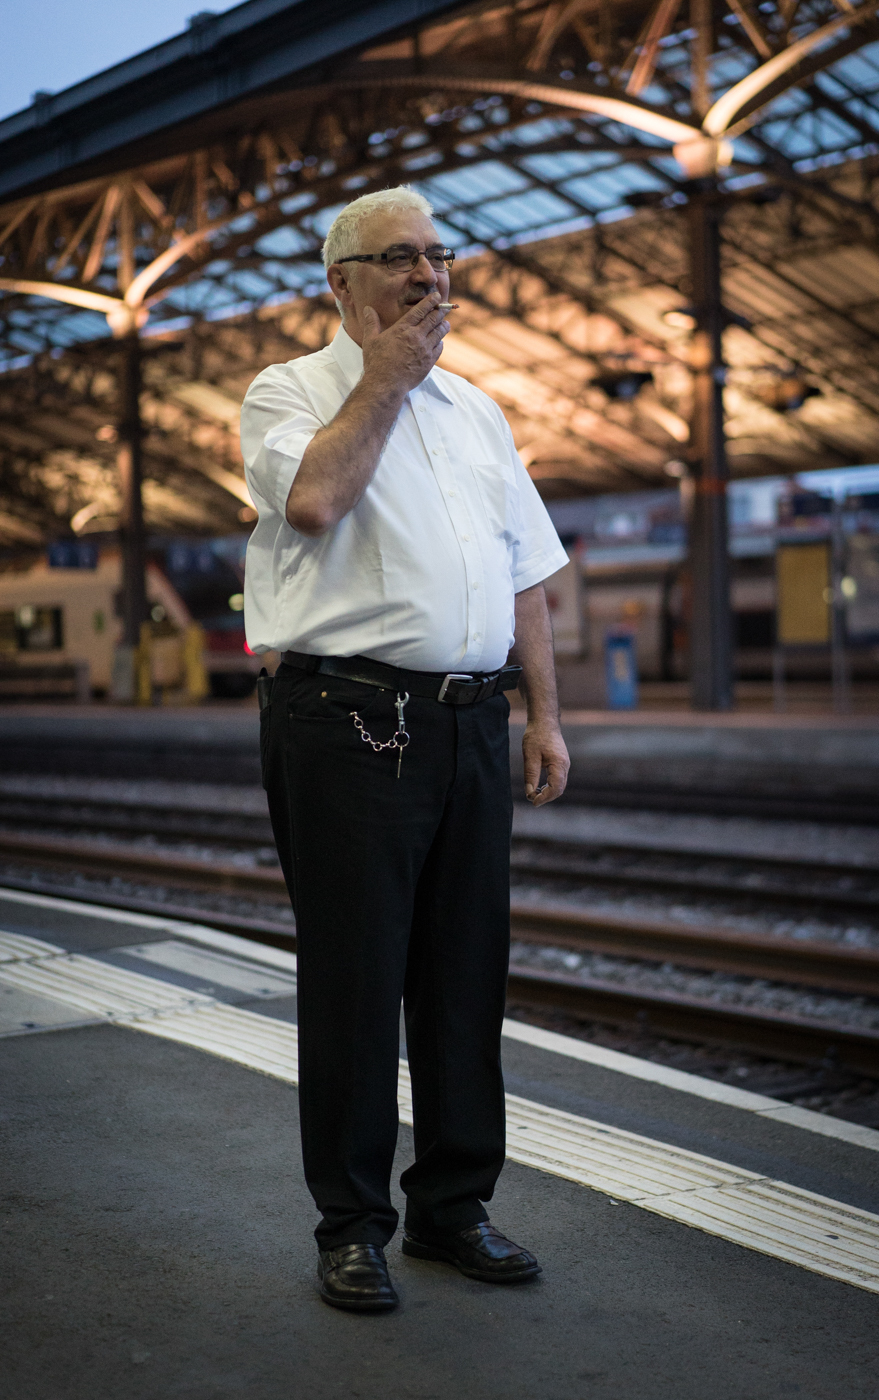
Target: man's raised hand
x=405 y=353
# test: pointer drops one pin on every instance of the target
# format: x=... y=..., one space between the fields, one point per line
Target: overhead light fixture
x=681 y=318
x=93 y=511
x=786 y=392
x=625 y=385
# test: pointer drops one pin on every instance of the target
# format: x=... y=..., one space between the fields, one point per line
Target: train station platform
x=822 y=766
x=697 y=1240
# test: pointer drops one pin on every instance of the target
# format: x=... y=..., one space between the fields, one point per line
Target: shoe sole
x=359 y=1305
x=415 y=1250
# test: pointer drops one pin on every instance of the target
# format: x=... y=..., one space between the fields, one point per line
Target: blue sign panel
x=621 y=670
x=73 y=554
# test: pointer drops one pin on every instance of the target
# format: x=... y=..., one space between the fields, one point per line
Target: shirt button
x=466 y=539
x=476 y=585
x=451 y=493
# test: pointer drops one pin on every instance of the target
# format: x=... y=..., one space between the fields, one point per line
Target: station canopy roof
x=569 y=227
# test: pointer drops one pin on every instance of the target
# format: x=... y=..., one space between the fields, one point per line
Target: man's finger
x=372 y=326
x=556 y=782
x=423 y=308
x=533 y=763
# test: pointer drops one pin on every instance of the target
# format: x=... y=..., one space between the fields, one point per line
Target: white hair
x=342 y=240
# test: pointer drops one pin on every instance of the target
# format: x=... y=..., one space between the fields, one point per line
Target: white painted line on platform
x=770 y=1217
x=727 y=1094
x=198 y=933
x=18 y=945
x=222 y=968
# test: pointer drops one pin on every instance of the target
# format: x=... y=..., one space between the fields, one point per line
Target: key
x=401 y=736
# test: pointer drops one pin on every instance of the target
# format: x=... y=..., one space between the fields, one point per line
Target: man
x=400 y=549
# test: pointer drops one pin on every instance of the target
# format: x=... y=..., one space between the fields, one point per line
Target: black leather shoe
x=480 y=1252
x=355 y=1276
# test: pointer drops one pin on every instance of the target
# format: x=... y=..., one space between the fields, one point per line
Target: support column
x=711 y=671
x=130 y=466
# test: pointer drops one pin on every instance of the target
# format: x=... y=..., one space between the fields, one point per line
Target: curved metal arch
x=719 y=120
x=627 y=112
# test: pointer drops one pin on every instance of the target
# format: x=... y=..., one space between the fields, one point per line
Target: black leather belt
x=455 y=688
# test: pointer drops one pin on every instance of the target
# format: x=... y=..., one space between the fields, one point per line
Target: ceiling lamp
x=681 y=318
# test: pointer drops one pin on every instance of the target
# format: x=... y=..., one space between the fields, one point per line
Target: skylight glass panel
x=520 y=212
x=533 y=132
x=538 y=206
x=612 y=186
x=860 y=70
x=729 y=67
x=832 y=130
x=867 y=111
x=81 y=325
x=560 y=165
x=452 y=237
x=484 y=181
x=321 y=220
x=281 y=242
x=788 y=104
x=793 y=139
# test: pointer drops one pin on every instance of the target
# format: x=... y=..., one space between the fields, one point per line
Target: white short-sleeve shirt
x=422 y=572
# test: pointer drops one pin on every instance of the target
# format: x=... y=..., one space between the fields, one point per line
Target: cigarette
x=447 y=306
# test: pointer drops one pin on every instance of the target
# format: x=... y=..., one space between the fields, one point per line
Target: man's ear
x=339 y=282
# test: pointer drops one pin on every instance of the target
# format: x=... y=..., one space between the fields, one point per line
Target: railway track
x=829 y=967
x=770 y=879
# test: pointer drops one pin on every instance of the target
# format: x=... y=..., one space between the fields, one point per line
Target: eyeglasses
x=402 y=257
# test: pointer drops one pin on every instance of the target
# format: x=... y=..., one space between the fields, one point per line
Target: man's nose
x=423 y=272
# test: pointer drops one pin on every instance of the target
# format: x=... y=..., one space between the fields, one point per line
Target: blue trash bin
x=621 y=671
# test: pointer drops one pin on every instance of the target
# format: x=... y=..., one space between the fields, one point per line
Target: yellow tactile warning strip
x=768 y=1216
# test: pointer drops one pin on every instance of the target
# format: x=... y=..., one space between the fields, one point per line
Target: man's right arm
x=341 y=458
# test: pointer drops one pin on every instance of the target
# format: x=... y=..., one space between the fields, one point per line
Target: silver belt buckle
x=452 y=676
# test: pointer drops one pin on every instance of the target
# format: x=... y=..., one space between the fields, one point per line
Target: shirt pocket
x=499 y=496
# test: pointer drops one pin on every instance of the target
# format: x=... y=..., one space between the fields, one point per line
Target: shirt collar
x=349 y=357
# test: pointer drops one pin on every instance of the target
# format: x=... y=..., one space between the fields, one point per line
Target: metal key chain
x=400 y=738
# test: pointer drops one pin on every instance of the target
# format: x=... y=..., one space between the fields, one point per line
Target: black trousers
x=400 y=889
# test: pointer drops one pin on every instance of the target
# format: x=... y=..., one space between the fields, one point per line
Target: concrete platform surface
x=157 y=1234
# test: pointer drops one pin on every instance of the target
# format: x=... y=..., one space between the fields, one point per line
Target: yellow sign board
x=802 y=573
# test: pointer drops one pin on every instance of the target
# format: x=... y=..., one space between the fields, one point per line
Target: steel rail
x=715 y=948
x=566 y=862
x=666 y=1013
x=144 y=816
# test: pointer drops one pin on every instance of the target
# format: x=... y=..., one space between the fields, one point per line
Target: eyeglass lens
x=403 y=256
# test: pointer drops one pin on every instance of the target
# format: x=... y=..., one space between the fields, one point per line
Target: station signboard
x=803 y=593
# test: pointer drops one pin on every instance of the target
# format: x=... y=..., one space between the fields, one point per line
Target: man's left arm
x=542 y=744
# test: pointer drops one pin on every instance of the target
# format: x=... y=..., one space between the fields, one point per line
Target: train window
x=39 y=629
x=754 y=630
